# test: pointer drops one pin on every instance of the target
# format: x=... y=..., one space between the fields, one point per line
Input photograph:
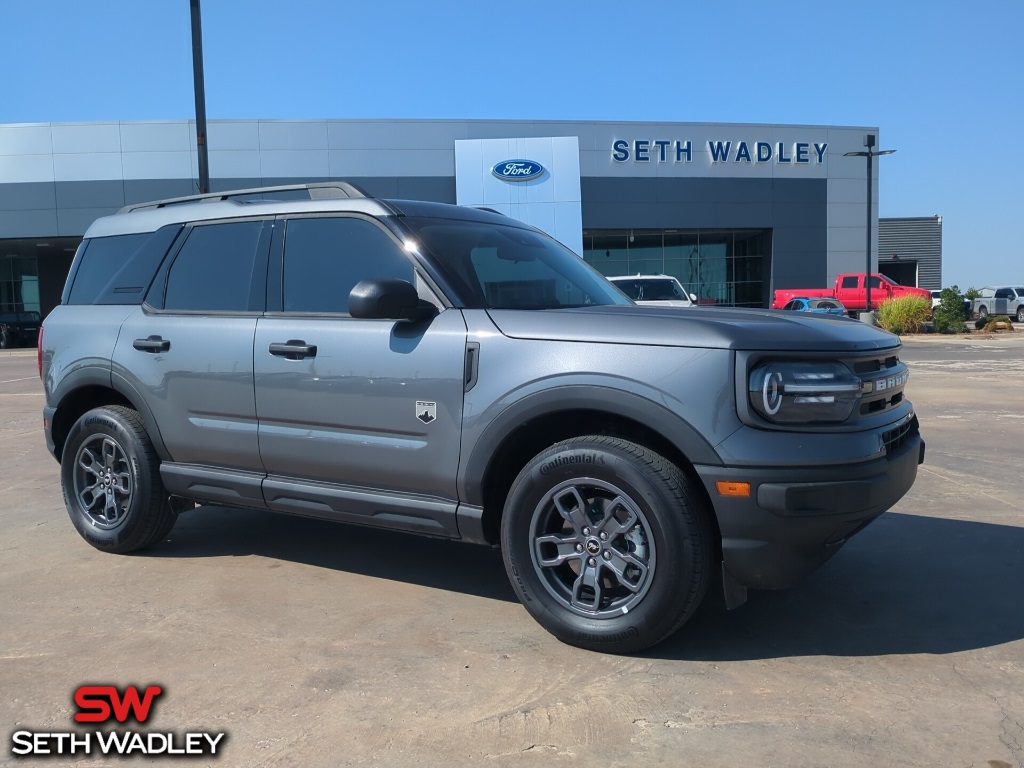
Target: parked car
x=18 y=329
x=851 y=290
x=453 y=372
x=1004 y=300
x=657 y=290
x=936 y=298
x=817 y=306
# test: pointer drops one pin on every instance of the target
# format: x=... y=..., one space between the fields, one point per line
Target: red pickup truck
x=850 y=290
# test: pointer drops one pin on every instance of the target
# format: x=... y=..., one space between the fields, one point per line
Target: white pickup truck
x=1001 y=301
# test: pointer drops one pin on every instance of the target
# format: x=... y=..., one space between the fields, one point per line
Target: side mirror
x=693 y=297
x=387 y=298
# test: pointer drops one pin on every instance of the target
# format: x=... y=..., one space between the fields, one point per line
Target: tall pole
x=200 y=90
x=867 y=268
x=870 y=154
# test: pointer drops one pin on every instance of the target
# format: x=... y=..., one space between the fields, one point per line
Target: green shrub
x=948 y=316
x=972 y=293
x=904 y=314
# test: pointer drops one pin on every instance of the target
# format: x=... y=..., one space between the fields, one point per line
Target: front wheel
x=1020 y=314
x=110 y=475
x=606 y=544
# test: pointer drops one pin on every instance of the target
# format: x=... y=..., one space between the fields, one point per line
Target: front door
x=358 y=419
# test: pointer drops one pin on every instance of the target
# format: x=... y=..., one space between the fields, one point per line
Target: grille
x=883 y=378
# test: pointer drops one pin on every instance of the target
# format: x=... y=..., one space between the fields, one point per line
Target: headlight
x=802 y=393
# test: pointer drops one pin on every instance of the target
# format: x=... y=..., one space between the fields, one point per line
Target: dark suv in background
x=18 y=329
x=453 y=372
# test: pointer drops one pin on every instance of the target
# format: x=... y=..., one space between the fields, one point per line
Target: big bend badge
x=426 y=411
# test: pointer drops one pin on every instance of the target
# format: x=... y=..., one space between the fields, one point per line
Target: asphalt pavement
x=317 y=644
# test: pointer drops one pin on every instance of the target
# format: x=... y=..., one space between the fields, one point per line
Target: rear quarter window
x=118 y=269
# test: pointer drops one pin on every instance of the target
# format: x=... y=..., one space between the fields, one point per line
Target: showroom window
x=19 y=283
x=728 y=268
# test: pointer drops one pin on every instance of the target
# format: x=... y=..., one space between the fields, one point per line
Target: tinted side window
x=213 y=271
x=1003 y=293
x=851 y=282
x=325 y=257
x=101 y=258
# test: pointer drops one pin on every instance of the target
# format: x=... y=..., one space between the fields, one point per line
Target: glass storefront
x=728 y=268
x=19 y=283
x=32 y=273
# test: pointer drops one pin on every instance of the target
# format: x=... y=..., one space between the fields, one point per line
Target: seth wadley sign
x=667 y=151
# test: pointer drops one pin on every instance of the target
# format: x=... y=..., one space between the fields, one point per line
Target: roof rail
x=489 y=210
x=324 y=190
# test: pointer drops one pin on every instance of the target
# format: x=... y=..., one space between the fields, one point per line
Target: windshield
x=495 y=266
x=651 y=289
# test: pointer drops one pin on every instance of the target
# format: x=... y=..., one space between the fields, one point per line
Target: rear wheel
x=983 y=311
x=606 y=544
x=1020 y=314
x=110 y=475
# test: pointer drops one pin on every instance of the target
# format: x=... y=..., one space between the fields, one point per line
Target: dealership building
x=732 y=210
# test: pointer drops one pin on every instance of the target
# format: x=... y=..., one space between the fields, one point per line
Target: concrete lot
x=323 y=645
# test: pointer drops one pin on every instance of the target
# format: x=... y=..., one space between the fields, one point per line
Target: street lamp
x=200 y=91
x=869 y=153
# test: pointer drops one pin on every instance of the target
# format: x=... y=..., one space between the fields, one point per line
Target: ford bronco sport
x=452 y=372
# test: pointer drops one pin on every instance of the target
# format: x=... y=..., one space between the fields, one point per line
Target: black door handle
x=293 y=349
x=152 y=344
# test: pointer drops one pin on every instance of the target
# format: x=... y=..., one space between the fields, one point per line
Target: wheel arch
x=92 y=392
x=525 y=429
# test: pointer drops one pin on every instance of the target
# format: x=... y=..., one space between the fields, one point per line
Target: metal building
x=910 y=251
x=733 y=210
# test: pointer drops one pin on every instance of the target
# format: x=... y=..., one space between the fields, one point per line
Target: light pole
x=200 y=91
x=869 y=153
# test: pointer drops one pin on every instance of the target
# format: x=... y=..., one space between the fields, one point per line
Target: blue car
x=826 y=306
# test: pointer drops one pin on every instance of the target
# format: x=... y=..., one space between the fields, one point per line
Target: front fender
x=481 y=441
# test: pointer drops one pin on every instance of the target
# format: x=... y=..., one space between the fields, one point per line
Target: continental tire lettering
x=629 y=633
x=99 y=420
x=519 y=580
x=570 y=459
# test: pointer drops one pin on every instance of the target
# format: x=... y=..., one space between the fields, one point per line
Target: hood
x=702 y=327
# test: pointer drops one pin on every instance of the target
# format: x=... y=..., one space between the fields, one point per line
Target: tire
x=606 y=544
x=5 y=339
x=1020 y=314
x=983 y=311
x=110 y=475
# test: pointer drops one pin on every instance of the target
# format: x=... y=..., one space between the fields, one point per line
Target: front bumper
x=797 y=517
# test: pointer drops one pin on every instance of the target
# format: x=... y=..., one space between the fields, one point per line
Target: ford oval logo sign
x=517 y=170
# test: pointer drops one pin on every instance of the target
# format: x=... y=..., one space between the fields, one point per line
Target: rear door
x=850 y=290
x=362 y=419
x=1002 y=302
x=188 y=350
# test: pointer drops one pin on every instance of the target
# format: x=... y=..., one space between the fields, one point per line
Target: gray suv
x=452 y=372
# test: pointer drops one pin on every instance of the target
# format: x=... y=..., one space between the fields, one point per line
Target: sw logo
x=103 y=703
x=96 y=703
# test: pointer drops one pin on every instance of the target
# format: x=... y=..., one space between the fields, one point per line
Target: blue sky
x=941 y=79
